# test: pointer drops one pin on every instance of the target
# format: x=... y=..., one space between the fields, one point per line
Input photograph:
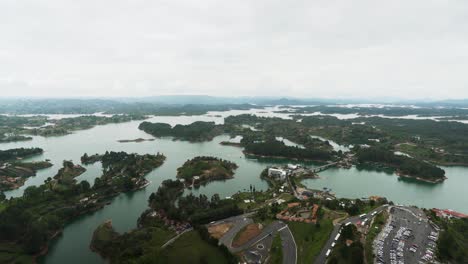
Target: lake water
x=73 y=245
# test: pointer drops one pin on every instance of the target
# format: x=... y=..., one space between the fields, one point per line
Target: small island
x=203 y=169
x=138 y=140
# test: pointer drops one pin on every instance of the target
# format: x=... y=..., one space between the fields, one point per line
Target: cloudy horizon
x=316 y=49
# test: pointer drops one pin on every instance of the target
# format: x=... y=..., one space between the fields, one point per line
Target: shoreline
x=283 y=157
x=399 y=174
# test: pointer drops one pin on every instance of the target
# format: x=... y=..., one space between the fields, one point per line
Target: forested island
x=14 y=172
x=30 y=222
x=274 y=148
x=6 y=138
x=196 y=132
x=67 y=125
x=164 y=220
x=16 y=128
x=201 y=170
x=405 y=166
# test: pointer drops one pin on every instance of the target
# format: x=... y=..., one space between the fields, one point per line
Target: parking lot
x=407 y=237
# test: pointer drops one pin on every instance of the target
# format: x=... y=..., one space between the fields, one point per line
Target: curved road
x=321 y=258
x=288 y=243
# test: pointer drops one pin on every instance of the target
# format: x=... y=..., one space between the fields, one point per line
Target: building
x=276 y=173
x=449 y=214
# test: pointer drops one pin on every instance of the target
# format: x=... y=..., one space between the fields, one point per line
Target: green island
x=7 y=138
x=14 y=172
x=165 y=220
x=30 y=222
x=16 y=128
x=196 y=132
x=67 y=125
x=201 y=170
x=405 y=166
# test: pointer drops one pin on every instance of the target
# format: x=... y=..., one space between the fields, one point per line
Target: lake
x=73 y=245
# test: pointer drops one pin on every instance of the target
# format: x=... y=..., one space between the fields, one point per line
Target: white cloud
x=323 y=48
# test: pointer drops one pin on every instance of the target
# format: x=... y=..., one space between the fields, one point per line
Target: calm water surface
x=73 y=245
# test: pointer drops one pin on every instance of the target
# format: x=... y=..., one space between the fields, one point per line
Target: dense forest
x=18 y=153
x=344 y=254
x=195 y=132
x=207 y=168
x=195 y=209
x=404 y=164
x=453 y=241
x=275 y=148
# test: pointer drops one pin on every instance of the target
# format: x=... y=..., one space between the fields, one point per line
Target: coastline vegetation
x=30 y=222
x=162 y=221
x=403 y=164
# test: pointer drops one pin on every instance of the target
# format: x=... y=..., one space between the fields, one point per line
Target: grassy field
x=310 y=239
x=276 y=255
x=190 y=248
x=374 y=230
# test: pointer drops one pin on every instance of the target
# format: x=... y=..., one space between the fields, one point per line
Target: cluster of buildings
x=176 y=226
x=447 y=213
x=289 y=170
x=296 y=214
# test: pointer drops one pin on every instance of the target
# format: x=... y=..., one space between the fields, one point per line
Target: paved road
x=288 y=243
x=239 y=222
x=321 y=258
x=269 y=230
x=289 y=246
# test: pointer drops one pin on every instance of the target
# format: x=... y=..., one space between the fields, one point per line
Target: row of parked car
x=429 y=254
x=379 y=243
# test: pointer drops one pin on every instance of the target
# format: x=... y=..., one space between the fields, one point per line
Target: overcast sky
x=309 y=48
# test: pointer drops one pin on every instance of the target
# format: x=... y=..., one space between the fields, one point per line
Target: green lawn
x=190 y=248
x=310 y=239
x=276 y=255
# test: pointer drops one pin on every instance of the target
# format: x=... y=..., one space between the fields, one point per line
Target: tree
x=262 y=213
x=32 y=192
x=2 y=196
x=215 y=199
x=85 y=186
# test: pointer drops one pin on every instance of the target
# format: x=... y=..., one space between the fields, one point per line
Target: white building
x=276 y=173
